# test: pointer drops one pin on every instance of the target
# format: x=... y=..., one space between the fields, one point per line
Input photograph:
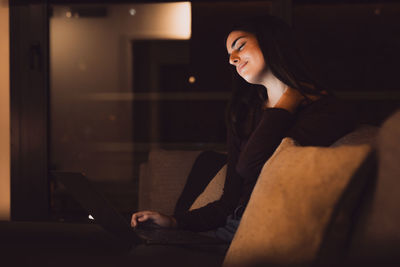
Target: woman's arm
x=264 y=140
x=262 y=143
x=268 y=134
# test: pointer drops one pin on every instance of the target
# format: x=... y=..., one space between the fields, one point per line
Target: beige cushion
x=213 y=191
x=291 y=204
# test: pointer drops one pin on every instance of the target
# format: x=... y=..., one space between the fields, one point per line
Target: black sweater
x=318 y=124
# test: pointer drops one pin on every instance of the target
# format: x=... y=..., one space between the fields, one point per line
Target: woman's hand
x=162 y=220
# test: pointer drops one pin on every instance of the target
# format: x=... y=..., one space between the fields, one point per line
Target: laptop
x=104 y=214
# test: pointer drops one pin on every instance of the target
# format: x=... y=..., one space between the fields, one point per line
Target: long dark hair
x=283 y=58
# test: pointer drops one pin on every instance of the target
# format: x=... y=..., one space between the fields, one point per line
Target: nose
x=234 y=59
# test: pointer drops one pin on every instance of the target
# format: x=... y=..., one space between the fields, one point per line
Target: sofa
x=311 y=206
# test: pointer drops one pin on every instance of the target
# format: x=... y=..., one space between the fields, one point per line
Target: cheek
x=260 y=60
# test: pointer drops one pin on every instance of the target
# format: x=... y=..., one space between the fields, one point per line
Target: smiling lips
x=241 y=66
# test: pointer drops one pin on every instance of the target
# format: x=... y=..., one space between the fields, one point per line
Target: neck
x=275 y=89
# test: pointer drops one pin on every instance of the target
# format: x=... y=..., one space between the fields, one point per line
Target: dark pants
x=206 y=166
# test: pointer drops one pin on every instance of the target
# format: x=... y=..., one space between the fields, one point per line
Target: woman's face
x=245 y=54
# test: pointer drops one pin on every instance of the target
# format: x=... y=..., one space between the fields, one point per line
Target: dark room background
x=127 y=77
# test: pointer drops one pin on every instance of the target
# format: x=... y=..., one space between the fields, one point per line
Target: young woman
x=280 y=99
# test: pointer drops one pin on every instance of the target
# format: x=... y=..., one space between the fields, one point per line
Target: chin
x=253 y=79
x=250 y=80
x=247 y=78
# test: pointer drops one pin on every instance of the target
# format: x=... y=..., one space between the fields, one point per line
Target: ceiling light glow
x=132 y=11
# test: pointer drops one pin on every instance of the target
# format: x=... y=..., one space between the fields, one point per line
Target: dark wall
x=354 y=49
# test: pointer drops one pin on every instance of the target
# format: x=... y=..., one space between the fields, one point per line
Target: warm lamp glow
x=169 y=20
x=182 y=19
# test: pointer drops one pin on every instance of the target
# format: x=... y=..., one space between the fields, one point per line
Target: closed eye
x=240 y=48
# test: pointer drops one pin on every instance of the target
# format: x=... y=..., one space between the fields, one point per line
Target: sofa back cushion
x=376 y=239
x=163 y=177
x=292 y=203
x=364 y=134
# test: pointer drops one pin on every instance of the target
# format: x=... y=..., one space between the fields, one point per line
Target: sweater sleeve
x=262 y=142
x=266 y=137
x=244 y=165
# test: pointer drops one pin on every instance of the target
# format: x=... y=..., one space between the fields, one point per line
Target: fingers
x=141 y=216
x=133 y=220
x=144 y=218
x=135 y=217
